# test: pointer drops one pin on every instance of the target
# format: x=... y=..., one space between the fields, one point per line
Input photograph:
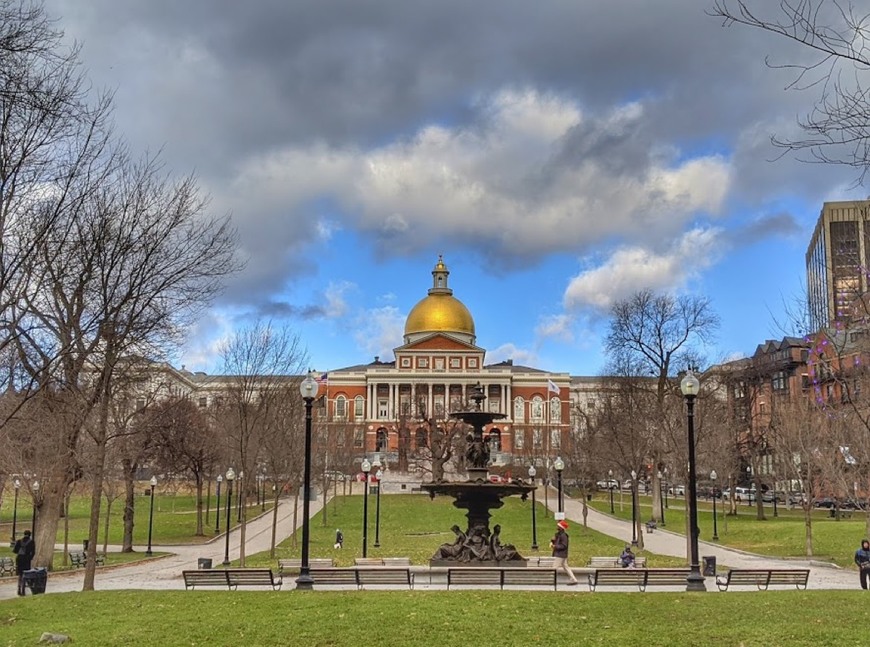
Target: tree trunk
x=200 y=531
x=129 y=471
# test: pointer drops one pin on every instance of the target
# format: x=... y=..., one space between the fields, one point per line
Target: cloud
x=629 y=269
x=556 y=326
x=507 y=351
x=379 y=330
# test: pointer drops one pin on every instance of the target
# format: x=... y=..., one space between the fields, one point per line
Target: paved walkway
x=165 y=572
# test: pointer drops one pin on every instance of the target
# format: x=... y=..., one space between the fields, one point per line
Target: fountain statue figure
x=477 y=545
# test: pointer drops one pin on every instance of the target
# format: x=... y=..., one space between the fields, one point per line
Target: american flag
x=323 y=378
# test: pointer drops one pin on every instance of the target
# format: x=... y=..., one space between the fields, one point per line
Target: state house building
x=394 y=405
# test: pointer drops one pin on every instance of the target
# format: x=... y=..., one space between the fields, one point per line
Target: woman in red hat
x=559 y=544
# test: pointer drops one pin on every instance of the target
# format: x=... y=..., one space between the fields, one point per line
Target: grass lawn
x=833 y=540
x=413 y=525
x=399 y=619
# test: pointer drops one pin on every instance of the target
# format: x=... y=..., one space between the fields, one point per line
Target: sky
x=561 y=155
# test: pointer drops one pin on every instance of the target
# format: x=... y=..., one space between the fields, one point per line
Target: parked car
x=767 y=496
x=741 y=494
x=678 y=490
x=605 y=485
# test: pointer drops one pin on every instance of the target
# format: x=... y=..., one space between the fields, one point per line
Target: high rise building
x=838 y=261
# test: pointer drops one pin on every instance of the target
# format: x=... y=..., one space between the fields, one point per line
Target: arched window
x=519 y=406
x=341 y=408
x=555 y=410
x=382 y=443
x=359 y=407
x=537 y=412
x=495 y=440
x=422 y=438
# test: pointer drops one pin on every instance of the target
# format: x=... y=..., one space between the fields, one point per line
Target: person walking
x=559 y=544
x=862 y=559
x=339 y=539
x=24 y=550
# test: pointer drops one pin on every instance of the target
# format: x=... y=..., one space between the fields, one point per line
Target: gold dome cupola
x=440 y=311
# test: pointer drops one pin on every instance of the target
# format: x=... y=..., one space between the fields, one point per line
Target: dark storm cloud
x=223 y=86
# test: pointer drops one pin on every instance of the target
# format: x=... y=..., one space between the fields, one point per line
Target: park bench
x=231 y=578
x=545 y=562
x=334 y=576
x=764 y=577
x=639 y=577
x=613 y=562
x=7 y=566
x=368 y=561
x=295 y=563
x=383 y=576
x=474 y=576
x=529 y=576
x=79 y=559
x=397 y=561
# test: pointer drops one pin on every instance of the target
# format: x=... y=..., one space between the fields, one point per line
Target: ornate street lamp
x=633 y=508
x=690 y=386
x=661 y=497
x=217 y=510
x=308 y=389
x=263 y=492
x=610 y=487
x=713 y=477
x=532 y=473
x=35 y=498
x=378 y=476
x=231 y=476
x=151 y=516
x=17 y=485
x=366 y=468
x=559 y=465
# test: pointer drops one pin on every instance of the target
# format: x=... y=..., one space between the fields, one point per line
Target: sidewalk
x=665 y=542
x=164 y=573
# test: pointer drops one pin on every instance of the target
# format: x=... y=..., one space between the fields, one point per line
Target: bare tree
x=258 y=361
x=835 y=33
x=651 y=338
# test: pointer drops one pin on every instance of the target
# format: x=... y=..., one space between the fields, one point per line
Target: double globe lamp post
x=690 y=385
x=308 y=389
x=379 y=474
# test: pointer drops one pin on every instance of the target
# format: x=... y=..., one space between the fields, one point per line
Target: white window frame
x=519 y=409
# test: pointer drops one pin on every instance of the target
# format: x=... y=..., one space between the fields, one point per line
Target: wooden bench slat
x=762 y=578
x=473 y=576
x=529 y=576
x=334 y=576
x=232 y=578
x=640 y=577
x=295 y=564
x=384 y=576
x=613 y=562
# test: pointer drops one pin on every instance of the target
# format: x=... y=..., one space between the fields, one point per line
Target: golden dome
x=439 y=312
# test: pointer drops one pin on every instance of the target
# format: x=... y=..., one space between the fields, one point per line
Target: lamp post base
x=304 y=583
x=225 y=563
x=534 y=547
x=695 y=581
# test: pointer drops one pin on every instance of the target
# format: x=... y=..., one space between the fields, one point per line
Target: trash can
x=35 y=579
x=709 y=565
x=588 y=497
x=203 y=563
x=85 y=543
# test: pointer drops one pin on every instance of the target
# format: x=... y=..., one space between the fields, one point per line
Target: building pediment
x=438 y=341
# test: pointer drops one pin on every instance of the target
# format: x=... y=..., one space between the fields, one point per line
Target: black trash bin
x=35 y=579
x=709 y=565
x=85 y=544
x=203 y=563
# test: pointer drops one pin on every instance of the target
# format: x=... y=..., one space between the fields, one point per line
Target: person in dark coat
x=862 y=559
x=339 y=539
x=24 y=550
x=559 y=544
